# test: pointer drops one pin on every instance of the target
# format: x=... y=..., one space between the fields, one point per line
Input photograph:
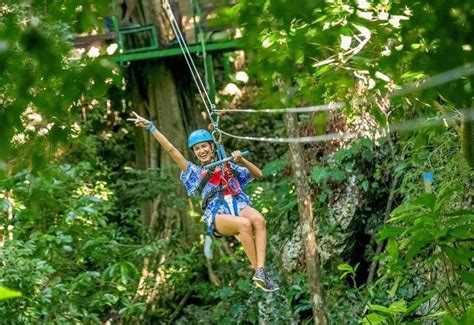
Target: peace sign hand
x=139 y=121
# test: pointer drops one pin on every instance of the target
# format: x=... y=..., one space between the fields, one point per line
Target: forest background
x=95 y=227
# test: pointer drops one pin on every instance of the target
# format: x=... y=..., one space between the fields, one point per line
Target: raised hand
x=138 y=120
x=237 y=156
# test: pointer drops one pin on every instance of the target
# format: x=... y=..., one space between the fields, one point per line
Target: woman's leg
x=229 y=225
x=130 y=7
x=258 y=222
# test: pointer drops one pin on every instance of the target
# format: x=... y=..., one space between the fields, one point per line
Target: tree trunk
x=306 y=220
x=162 y=91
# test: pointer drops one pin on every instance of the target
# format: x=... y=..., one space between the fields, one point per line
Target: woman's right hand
x=139 y=121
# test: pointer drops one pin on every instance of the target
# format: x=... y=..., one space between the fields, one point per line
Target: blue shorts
x=212 y=210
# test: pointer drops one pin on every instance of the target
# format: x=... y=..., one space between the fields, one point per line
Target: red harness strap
x=227 y=182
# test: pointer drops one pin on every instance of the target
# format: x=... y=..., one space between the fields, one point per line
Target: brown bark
x=381 y=245
x=162 y=92
x=156 y=96
x=313 y=266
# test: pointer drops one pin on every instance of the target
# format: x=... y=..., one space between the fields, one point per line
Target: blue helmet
x=199 y=136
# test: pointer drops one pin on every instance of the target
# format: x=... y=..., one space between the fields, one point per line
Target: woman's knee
x=245 y=226
x=258 y=221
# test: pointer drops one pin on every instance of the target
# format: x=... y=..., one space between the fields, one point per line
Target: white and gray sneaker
x=271 y=285
x=263 y=281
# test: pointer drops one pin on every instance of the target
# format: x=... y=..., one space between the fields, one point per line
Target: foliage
x=72 y=240
x=65 y=250
x=429 y=249
x=42 y=89
x=299 y=60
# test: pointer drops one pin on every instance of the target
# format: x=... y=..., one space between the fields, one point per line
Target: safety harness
x=225 y=184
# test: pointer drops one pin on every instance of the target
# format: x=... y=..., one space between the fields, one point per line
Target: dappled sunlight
x=356 y=121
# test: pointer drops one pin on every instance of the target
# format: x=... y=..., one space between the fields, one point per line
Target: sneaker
x=259 y=276
x=271 y=285
x=263 y=281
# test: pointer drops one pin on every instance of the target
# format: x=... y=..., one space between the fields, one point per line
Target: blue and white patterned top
x=192 y=178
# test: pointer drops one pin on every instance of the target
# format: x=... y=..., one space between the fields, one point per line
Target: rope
x=190 y=62
x=397 y=127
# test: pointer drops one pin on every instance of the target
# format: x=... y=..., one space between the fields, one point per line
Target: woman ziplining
x=227 y=209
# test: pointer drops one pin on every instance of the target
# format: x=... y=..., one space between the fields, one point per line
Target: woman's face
x=203 y=152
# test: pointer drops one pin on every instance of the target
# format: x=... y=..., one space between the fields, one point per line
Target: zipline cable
x=309 y=109
x=396 y=127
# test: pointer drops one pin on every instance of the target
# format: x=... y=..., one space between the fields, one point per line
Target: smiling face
x=204 y=152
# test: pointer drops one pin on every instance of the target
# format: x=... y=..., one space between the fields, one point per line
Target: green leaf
x=89 y=210
x=374 y=319
x=320 y=122
x=274 y=167
x=345 y=267
x=403 y=211
x=322 y=70
x=390 y=232
x=365 y=185
x=392 y=248
x=399 y=306
x=463 y=232
x=319 y=174
x=459 y=255
x=414 y=250
x=379 y=116
x=426 y=200
x=380 y=308
x=394 y=288
x=467 y=277
x=411 y=75
x=6 y=293
x=336 y=174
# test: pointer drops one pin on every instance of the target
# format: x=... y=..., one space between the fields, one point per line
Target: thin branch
x=180 y=307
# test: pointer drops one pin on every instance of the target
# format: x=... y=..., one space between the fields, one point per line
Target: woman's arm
x=169 y=148
x=254 y=170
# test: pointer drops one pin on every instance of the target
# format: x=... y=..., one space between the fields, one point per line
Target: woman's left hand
x=237 y=156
